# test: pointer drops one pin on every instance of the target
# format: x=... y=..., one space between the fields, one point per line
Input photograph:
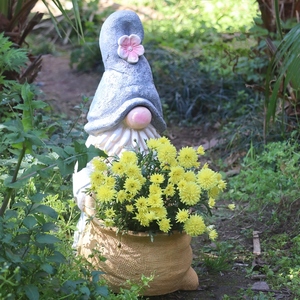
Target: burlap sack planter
x=131 y=255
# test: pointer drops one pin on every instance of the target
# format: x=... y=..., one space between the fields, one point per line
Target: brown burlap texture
x=129 y=256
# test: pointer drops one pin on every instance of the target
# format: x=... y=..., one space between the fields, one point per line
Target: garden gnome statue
x=126 y=111
x=126 y=108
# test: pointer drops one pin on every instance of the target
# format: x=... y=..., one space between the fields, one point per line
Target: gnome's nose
x=138 y=118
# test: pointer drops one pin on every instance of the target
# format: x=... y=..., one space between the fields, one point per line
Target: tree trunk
x=288 y=9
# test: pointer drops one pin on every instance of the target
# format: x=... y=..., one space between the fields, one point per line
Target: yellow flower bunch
x=160 y=190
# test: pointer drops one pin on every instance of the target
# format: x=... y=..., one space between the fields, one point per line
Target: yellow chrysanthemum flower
x=160 y=212
x=109 y=222
x=182 y=215
x=222 y=185
x=99 y=164
x=166 y=154
x=194 y=225
x=214 y=192
x=187 y=158
x=231 y=206
x=155 y=201
x=97 y=179
x=110 y=213
x=129 y=208
x=200 y=150
x=164 y=225
x=121 y=196
x=132 y=185
x=213 y=234
x=110 y=181
x=176 y=174
x=181 y=184
x=155 y=189
x=211 y=202
x=157 y=178
x=105 y=194
x=152 y=143
x=142 y=219
x=207 y=178
x=128 y=157
x=164 y=141
x=189 y=176
x=190 y=193
x=169 y=191
x=141 y=204
x=133 y=171
x=118 y=168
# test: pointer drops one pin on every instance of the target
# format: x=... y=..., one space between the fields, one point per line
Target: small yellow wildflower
x=157 y=178
x=182 y=215
x=194 y=225
x=164 y=225
x=231 y=206
x=97 y=179
x=200 y=150
x=187 y=158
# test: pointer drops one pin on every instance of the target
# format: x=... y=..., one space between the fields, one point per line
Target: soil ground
x=63 y=88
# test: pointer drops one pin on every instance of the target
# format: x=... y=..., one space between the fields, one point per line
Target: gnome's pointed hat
x=125 y=83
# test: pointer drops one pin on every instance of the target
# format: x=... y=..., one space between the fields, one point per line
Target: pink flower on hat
x=130 y=48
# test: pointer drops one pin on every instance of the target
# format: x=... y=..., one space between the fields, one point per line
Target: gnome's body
x=126 y=108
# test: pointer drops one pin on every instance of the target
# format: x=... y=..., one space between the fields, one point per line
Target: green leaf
x=49 y=226
x=44 y=209
x=57 y=257
x=46 y=239
x=29 y=222
x=47 y=268
x=37 y=198
x=32 y=292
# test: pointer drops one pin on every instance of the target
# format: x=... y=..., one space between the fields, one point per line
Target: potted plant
x=143 y=209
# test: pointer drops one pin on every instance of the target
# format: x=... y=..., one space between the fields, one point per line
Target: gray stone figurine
x=126 y=108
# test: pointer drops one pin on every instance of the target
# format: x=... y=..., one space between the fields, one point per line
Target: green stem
x=14 y=178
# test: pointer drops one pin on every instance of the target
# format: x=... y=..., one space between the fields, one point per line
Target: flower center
x=130 y=48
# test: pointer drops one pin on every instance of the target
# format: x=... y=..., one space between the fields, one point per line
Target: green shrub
x=37 y=213
x=269 y=184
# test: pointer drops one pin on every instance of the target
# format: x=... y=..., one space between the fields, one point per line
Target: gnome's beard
x=122 y=138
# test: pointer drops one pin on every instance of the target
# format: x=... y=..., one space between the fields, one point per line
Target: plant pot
x=131 y=255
